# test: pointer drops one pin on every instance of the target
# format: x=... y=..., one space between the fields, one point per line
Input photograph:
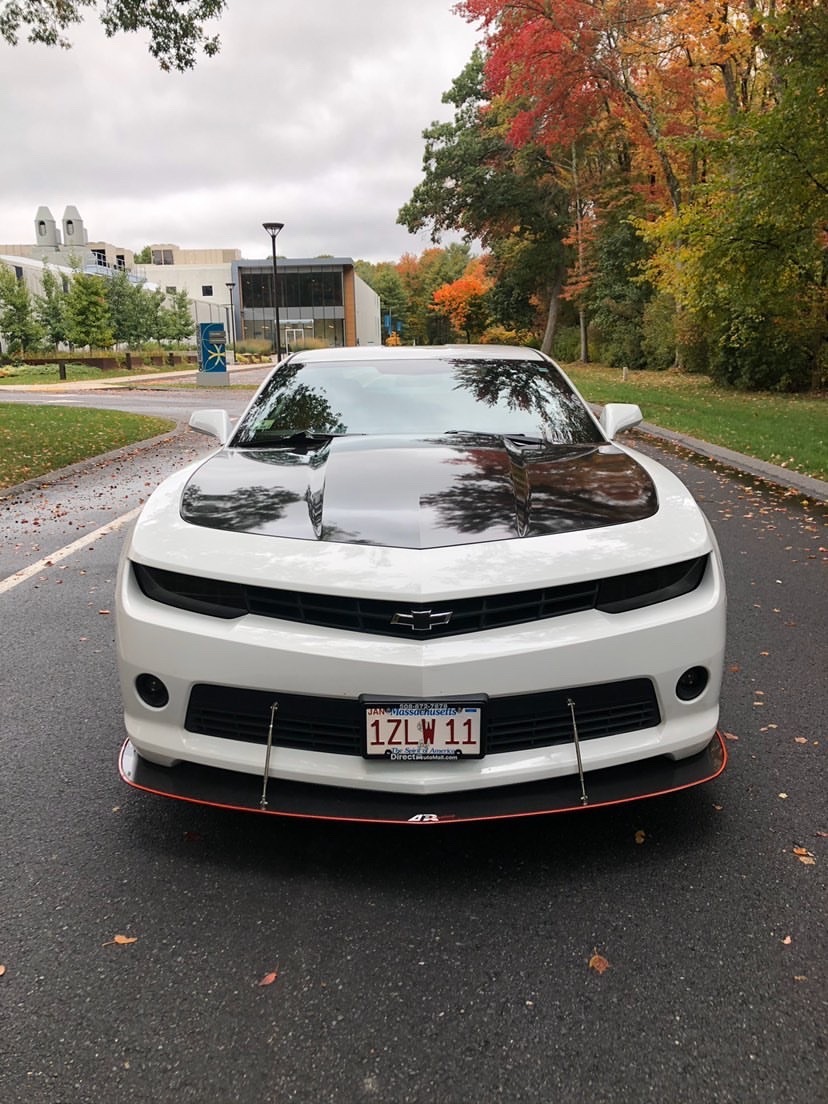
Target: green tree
x=50 y=307
x=125 y=311
x=385 y=280
x=152 y=315
x=88 y=319
x=176 y=29
x=144 y=256
x=17 y=317
x=478 y=183
x=177 y=317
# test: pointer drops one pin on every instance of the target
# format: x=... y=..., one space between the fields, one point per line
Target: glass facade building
x=316 y=301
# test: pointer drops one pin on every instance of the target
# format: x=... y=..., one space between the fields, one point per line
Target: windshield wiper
x=290 y=438
x=519 y=439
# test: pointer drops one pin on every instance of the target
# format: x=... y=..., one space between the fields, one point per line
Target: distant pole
x=232 y=320
x=273 y=229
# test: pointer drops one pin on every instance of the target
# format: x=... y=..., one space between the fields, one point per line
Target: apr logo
x=423 y=818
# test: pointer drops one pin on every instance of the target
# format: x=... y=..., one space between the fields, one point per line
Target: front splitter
x=233 y=790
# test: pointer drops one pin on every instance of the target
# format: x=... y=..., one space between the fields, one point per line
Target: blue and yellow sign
x=212 y=347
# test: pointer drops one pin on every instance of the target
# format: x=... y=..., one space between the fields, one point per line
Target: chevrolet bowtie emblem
x=422 y=620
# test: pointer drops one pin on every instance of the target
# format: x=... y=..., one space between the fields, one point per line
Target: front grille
x=412 y=620
x=516 y=723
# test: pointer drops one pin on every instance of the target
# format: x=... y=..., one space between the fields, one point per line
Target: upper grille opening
x=615 y=594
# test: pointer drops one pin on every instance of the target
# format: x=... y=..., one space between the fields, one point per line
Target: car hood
x=418 y=493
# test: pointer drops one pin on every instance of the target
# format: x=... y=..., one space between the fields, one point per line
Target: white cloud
x=312 y=114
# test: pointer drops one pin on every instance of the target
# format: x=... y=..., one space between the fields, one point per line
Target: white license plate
x=420 y=731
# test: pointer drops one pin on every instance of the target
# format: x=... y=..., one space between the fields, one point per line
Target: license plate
x=424 y=731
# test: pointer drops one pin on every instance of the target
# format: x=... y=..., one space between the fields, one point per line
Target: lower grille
x=516 y=723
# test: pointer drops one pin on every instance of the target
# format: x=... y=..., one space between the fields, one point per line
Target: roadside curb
x=816 y=489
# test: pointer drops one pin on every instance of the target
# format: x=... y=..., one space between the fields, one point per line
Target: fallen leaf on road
x=598 y=963
x=783 y=796
x=640 y=836
x=800 y=739
x=121 y=940
x=800 y=977
x=718 y=808
x=730 y=736
x=805 y=856
x=2 y=970
x=104 y=611
x=268 y=979
x=787 y=941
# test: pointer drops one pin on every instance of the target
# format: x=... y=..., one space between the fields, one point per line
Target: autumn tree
x=176 y=28
x=719 y=110
x=420 y=277
x=463 y=302
x=749 y=256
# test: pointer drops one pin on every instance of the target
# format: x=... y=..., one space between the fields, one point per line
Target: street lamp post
x=232 y=320
x=273 y=229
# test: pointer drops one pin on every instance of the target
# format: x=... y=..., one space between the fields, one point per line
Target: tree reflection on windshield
x=431 y=396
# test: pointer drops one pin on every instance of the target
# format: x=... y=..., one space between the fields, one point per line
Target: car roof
x=420 y=352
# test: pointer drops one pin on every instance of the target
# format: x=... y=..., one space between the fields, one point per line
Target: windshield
x=435 y=397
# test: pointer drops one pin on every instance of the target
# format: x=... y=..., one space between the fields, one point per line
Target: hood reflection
x=418 y=492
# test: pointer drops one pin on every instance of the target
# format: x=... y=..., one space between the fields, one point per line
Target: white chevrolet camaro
x=420 y=585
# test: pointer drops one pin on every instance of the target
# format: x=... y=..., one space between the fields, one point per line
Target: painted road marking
x=83 y=542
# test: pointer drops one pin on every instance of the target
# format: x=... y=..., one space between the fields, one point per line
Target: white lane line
x=55 y=557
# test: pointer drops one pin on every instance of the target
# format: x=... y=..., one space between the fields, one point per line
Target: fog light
x=152 y=691
x=691 y=683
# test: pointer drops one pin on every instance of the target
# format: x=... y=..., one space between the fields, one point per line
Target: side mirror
x=616 y=417
x=215 y=423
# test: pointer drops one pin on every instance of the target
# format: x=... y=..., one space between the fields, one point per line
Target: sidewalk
x=186 y=376
x=816 y=489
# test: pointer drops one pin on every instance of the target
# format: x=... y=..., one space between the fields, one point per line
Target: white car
x=420 y=585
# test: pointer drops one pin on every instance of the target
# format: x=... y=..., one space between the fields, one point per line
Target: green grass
x=789 y=430
x=39 y=439
x=28 y=374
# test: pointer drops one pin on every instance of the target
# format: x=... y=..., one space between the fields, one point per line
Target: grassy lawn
x=789 y=430
x=39 y=439
x=26 y=374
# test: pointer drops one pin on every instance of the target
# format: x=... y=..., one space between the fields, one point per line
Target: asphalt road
x=445 y=965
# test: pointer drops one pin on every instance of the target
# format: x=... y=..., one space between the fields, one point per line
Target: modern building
x=321 y=301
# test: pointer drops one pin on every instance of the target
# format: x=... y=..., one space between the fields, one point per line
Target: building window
x=99 y=257
x=41 y=228
x=162 y=257
x=206 y=290
x=120 y=261
x=170 y=289
x=18 y=272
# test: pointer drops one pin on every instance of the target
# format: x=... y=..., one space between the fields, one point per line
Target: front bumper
x=244 y=792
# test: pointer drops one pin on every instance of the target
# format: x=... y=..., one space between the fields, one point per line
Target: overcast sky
x=311 y=115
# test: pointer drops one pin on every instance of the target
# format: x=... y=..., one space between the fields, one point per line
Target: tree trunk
x=582 y=322
x=554 y=292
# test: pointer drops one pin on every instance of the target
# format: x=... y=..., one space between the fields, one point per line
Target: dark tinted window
x=434 y=396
